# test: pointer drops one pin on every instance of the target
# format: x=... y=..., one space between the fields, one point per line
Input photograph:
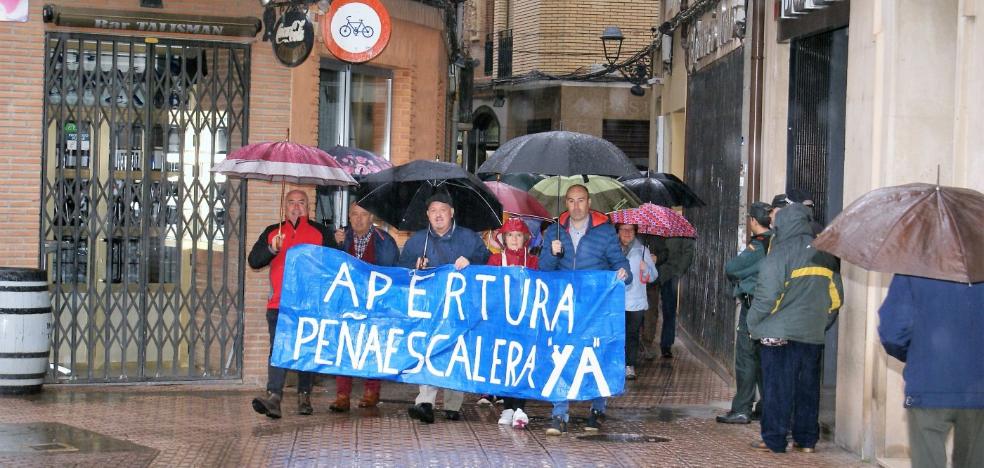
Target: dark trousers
x=633 y=327
x=791 y=376
x=514 y=403
x=277 y=375
x=748 y=368
x=668 y=301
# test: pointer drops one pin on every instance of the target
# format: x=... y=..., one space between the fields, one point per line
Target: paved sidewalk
x=665 y=419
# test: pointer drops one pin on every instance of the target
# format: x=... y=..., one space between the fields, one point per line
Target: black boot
x=423 y=412
x=304 y=407
x=269 y=405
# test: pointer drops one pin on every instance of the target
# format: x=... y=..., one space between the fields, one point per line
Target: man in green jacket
x=798 y=295
x=743 y=271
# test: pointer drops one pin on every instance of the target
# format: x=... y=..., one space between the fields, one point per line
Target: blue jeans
x=791 y=378
x=668 y=302
x=560 y=407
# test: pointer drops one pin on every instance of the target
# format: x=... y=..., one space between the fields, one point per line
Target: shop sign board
x=293 y=38
x=356 y=31
x=715 y=30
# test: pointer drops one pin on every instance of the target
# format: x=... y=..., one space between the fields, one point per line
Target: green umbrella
x=607 y=194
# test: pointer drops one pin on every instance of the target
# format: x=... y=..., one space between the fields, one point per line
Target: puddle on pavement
x=59 y=438
x=633 y=438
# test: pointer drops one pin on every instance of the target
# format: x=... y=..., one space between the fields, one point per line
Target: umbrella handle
x=561 y=253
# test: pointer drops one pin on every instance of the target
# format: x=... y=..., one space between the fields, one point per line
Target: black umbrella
x=559 y=153
x=662 y=189
x=398 y=195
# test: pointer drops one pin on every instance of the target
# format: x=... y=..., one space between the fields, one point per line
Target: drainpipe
x=755 y=101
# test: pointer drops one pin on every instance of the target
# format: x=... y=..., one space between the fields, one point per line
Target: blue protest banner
x=502 y=331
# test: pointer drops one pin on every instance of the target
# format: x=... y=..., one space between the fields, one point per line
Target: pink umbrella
x=516 y=201
x=284 y=161
x=657 y=220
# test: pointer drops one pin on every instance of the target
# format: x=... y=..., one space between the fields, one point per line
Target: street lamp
x=637 y=69
x=611 y=38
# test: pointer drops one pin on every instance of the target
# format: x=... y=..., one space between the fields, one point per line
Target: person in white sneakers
x=514 y=236
x=636 y=301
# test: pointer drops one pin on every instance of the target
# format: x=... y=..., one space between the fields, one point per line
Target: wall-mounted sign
x=150 y=22
x=293 y=38
x=13 y=10
x=356 y=30
x=719 y=28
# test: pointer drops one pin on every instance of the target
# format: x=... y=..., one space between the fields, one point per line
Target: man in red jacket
x=271 y=249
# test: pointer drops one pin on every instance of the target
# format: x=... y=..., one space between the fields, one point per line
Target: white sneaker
x=630 y=373
x=506 y=418
x=520 y=419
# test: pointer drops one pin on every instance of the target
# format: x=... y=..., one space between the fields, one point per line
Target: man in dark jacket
x=442 y=243
x=743 y=271
x=797 y=297
x=363 y=240
x=936 y=328
x=585 y=241
x=680 y=254
x=271 y=249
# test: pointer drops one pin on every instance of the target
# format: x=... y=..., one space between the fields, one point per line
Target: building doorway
x=815 y=153
x=144 y=244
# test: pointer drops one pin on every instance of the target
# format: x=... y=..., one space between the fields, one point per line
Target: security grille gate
x=713 y=167
x=143 y=244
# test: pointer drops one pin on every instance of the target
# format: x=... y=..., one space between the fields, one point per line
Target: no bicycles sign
x=356 y=30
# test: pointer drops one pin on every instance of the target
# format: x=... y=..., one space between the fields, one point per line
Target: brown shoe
x=759 y=445
x=369 y=400
x=268 y=405
x=341 y=403
x=798 y=448
x=304 y=407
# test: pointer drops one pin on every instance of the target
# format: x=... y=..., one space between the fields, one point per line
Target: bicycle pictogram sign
x=359 y=28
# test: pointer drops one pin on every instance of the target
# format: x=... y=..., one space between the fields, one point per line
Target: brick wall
x=560 y=36
x=416 y=55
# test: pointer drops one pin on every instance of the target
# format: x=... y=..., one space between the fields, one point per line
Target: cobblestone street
x=665 y=419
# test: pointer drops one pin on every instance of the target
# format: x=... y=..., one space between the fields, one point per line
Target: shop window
x=356 y=110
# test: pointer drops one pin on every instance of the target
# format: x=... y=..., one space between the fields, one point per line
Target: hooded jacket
x=799 y=288
x=936 y=328
x=599 y=249
x=507 y=257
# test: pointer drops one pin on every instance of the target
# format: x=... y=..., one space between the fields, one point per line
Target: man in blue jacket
x=587 y=241
x=936 y=328
x=442 y=243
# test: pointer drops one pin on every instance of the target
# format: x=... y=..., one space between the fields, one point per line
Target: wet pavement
x=666 y=418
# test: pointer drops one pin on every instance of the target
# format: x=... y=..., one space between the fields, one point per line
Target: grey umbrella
x=559 y=153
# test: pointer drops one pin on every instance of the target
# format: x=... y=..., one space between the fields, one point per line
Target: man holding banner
x=271 y=249
x=442 y=243
x=590 y=243
x=362 y=240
